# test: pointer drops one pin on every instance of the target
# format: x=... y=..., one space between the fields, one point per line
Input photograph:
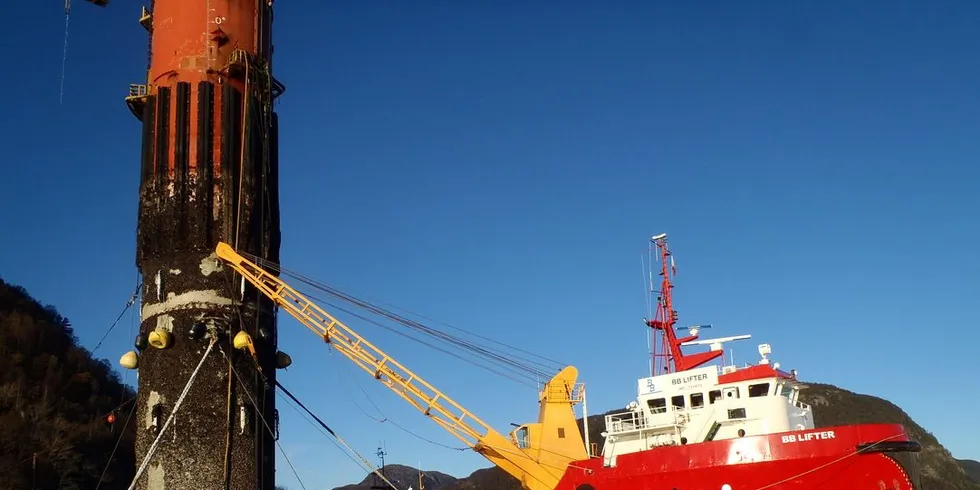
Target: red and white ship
x=693 y=426
x=696 y=426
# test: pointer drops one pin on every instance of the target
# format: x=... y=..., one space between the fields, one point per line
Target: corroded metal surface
x=209 y=165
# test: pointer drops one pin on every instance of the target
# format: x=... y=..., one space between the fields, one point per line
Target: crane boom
x=537 y=454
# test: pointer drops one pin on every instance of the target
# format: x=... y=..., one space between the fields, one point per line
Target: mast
x=378 y=484
x=666 y=353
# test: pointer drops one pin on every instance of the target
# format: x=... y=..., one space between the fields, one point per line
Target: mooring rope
x=187 y=388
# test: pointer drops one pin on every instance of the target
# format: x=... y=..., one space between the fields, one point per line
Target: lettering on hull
x=808 y=436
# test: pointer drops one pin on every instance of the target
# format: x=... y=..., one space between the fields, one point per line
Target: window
x=731 y=393
x=561 y=432
x=697 y=400
x=658 y=405
x=736 y=413
x=522 y=440
x=713 y=396
x=785 y=389
x=677 y=402
x=760 y=389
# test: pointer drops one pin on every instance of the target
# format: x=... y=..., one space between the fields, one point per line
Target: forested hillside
x=54 y=402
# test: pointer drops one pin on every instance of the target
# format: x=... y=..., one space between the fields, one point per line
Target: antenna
x=381 y=455
x=64 y=54
x=667 y=356
x=764 y=351
x=694 y=329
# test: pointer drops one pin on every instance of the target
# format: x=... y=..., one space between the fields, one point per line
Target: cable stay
x=532 y=367
x=537 y=454
x=177 y=404
x=386 y=419
x=325 y=427
x=436 y=347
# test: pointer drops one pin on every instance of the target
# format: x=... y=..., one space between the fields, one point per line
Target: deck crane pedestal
x=537 y=454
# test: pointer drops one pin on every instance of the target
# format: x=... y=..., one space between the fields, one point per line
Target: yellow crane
x=537 y=454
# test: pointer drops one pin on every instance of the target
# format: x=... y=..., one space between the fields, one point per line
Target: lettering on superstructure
x=689 y=379
x=697 y=379
x=808 y=436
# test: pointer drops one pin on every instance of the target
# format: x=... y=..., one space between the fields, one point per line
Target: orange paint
x=193 y=41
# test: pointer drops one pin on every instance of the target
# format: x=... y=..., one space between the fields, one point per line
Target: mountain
x=971 y=467
x=54 y=401
x=836 y=406
x=832 y=406
x=403 y=477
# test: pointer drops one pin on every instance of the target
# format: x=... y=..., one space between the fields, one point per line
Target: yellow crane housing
x=537 y=454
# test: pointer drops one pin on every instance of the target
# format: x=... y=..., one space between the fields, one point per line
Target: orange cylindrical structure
x=220 y=43
x=209 y=168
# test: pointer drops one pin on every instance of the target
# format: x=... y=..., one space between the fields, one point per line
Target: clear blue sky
x=500 y=167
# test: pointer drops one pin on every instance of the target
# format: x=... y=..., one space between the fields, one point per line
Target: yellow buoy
x=160 y=339
x=129 y=360
x=242 y=340
x=283 y=360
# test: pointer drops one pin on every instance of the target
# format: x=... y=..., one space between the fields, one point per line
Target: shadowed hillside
x=832 y=406
x=836 y=406
x=972 y=468
x=54 y=398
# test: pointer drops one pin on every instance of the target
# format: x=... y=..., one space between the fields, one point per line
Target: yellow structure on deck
x=537 y=454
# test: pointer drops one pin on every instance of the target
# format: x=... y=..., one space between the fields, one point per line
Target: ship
x=695 y=425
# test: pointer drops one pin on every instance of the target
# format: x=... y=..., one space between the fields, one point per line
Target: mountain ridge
x=403 y=477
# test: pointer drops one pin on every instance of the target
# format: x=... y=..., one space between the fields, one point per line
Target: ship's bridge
x=706 y=404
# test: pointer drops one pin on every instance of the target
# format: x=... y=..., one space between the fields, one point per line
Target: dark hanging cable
x=532 y=372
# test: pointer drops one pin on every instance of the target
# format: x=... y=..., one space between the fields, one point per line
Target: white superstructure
x=707 y=404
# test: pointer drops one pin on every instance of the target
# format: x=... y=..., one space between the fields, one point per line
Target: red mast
x=667 y=356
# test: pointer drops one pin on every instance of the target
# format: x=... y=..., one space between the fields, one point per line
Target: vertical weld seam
x=181 y=175
x=163 y=136
x=227 y=174
x=273 y=177
x=234 y=170
x=158 y=218
x=254 y=179
x=205 y=156
x=182 y=133
x=149 y=122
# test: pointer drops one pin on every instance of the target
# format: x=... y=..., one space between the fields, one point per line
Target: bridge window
x=677 y=402
x=713 y=396
x=785 y=390
x=761 y=389
x=697 y=400
x=736 y=413
x=657 y=405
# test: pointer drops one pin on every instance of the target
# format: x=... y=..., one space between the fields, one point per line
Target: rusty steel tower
x=209 y=169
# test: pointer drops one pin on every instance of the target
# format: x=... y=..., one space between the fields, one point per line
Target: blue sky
x=500 y=166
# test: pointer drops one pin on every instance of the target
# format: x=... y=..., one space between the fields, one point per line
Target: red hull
x=814 y=459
